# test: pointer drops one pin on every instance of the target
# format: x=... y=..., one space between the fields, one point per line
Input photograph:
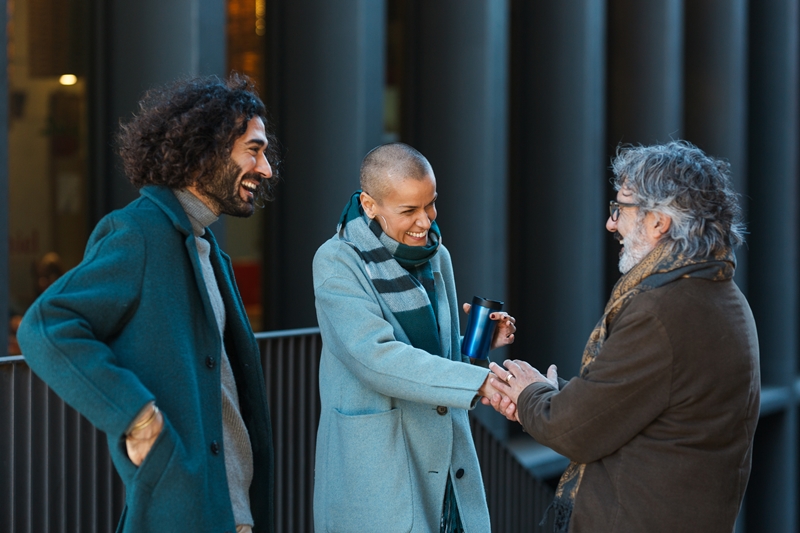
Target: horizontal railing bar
x=300 y=332
x=775 y=399
x=541 y=461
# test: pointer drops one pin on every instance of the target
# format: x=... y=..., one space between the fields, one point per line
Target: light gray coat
x=394 y=418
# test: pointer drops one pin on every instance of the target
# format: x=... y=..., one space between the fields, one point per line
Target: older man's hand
x=511 y=379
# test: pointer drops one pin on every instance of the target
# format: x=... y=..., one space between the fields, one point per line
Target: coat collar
x=165 y=199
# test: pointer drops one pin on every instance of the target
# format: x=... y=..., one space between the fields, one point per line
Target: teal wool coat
x=394 y=418
x=133 y=323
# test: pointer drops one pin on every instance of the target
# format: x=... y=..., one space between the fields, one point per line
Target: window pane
x=47 y=136
x=247 y=24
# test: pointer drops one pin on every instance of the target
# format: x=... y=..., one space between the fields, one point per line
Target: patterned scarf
x=657 y=269
x=402 y=274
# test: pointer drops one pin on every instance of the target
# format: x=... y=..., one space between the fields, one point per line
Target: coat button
x=214 y=447
x=210 y=362
x=442 y=410
x=459 y=473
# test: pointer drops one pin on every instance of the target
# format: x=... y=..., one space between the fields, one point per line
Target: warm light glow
x=68 y=79
x=261 y=10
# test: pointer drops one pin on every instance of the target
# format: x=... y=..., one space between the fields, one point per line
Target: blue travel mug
x=480 y=328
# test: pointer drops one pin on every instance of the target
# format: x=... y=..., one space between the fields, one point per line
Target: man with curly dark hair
x=148 y=337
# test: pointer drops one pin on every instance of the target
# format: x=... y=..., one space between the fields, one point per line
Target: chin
x=241 y=211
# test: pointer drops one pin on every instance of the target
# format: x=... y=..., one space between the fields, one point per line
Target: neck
x=199 y=213
x=203 y=198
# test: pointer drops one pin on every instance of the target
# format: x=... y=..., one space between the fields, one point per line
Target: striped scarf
x=660 y=267
x=401 y=274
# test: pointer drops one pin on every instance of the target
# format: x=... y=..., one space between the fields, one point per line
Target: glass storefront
x=246 y=31
x=48 y=56
x=49 y=151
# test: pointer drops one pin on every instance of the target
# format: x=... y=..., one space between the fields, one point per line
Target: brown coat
x=665 y=416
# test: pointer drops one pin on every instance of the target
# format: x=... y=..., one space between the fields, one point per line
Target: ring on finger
x=509 y=376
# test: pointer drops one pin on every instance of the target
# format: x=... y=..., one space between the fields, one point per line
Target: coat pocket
x=154 y=497
x=155 y=463
x=369 y=482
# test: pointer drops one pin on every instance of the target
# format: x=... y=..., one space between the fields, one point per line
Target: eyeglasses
x=613 y=208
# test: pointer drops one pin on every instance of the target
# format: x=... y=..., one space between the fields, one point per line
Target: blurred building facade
x=519 y=106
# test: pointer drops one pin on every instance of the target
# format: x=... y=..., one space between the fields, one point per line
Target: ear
x=659 y=225
x=368 y=204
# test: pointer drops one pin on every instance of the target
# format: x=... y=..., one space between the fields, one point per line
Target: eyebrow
x=404 y=206
x=259 y=142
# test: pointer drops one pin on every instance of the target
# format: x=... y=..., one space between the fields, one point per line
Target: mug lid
x=491 y=304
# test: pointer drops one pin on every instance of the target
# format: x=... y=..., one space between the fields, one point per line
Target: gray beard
x=635 y=250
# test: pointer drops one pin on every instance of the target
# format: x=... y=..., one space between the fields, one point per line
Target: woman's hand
x=487 y=390
x=139 y=441
x=506 y=327
x=490 y=395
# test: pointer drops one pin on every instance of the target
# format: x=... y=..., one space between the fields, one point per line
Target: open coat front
x=133 y=323
x=394 y=418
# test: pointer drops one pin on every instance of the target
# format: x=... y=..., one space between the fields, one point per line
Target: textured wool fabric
x=236 y=440
x=401 y=274
x=132 y=324
x=393 y=422
x=400 y=287
x=659 y=268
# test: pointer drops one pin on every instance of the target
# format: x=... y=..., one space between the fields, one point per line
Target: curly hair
x=185 y=130
x=679 y=180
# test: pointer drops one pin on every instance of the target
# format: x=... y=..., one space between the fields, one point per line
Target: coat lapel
x=165 y=199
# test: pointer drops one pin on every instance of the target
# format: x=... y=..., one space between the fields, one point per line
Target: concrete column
x=645 y=82
x=4 y=251
x=773 y=244
x=645 y=71
x=153 y=42
x=559 y=201
x=461 y=128
x=333 y=115
x=715 y=91
x=773 y=191
x=460 y=125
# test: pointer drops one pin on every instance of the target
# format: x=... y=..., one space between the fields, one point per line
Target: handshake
x=503 y=385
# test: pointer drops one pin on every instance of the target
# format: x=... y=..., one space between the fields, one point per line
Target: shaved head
x=388 y=164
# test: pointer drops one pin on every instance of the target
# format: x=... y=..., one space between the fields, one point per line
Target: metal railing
x=56 y=474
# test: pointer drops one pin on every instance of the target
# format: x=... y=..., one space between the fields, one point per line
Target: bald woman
x=394 y=448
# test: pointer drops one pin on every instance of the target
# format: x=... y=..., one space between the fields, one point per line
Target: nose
x=424 y=221
x=611 y=225
x=263 y=167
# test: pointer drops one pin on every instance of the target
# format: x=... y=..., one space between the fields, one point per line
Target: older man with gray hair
x=659 y=424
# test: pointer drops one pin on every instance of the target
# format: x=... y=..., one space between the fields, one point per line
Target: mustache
x=266 y=188
x=617 y=236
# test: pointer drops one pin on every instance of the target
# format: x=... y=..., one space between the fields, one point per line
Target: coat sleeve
x=65 y=332
x=355 y=331
x=625 y=389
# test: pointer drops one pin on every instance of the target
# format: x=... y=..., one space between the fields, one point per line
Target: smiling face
x=631 y=231
x=407 y=209
x=233 y=188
